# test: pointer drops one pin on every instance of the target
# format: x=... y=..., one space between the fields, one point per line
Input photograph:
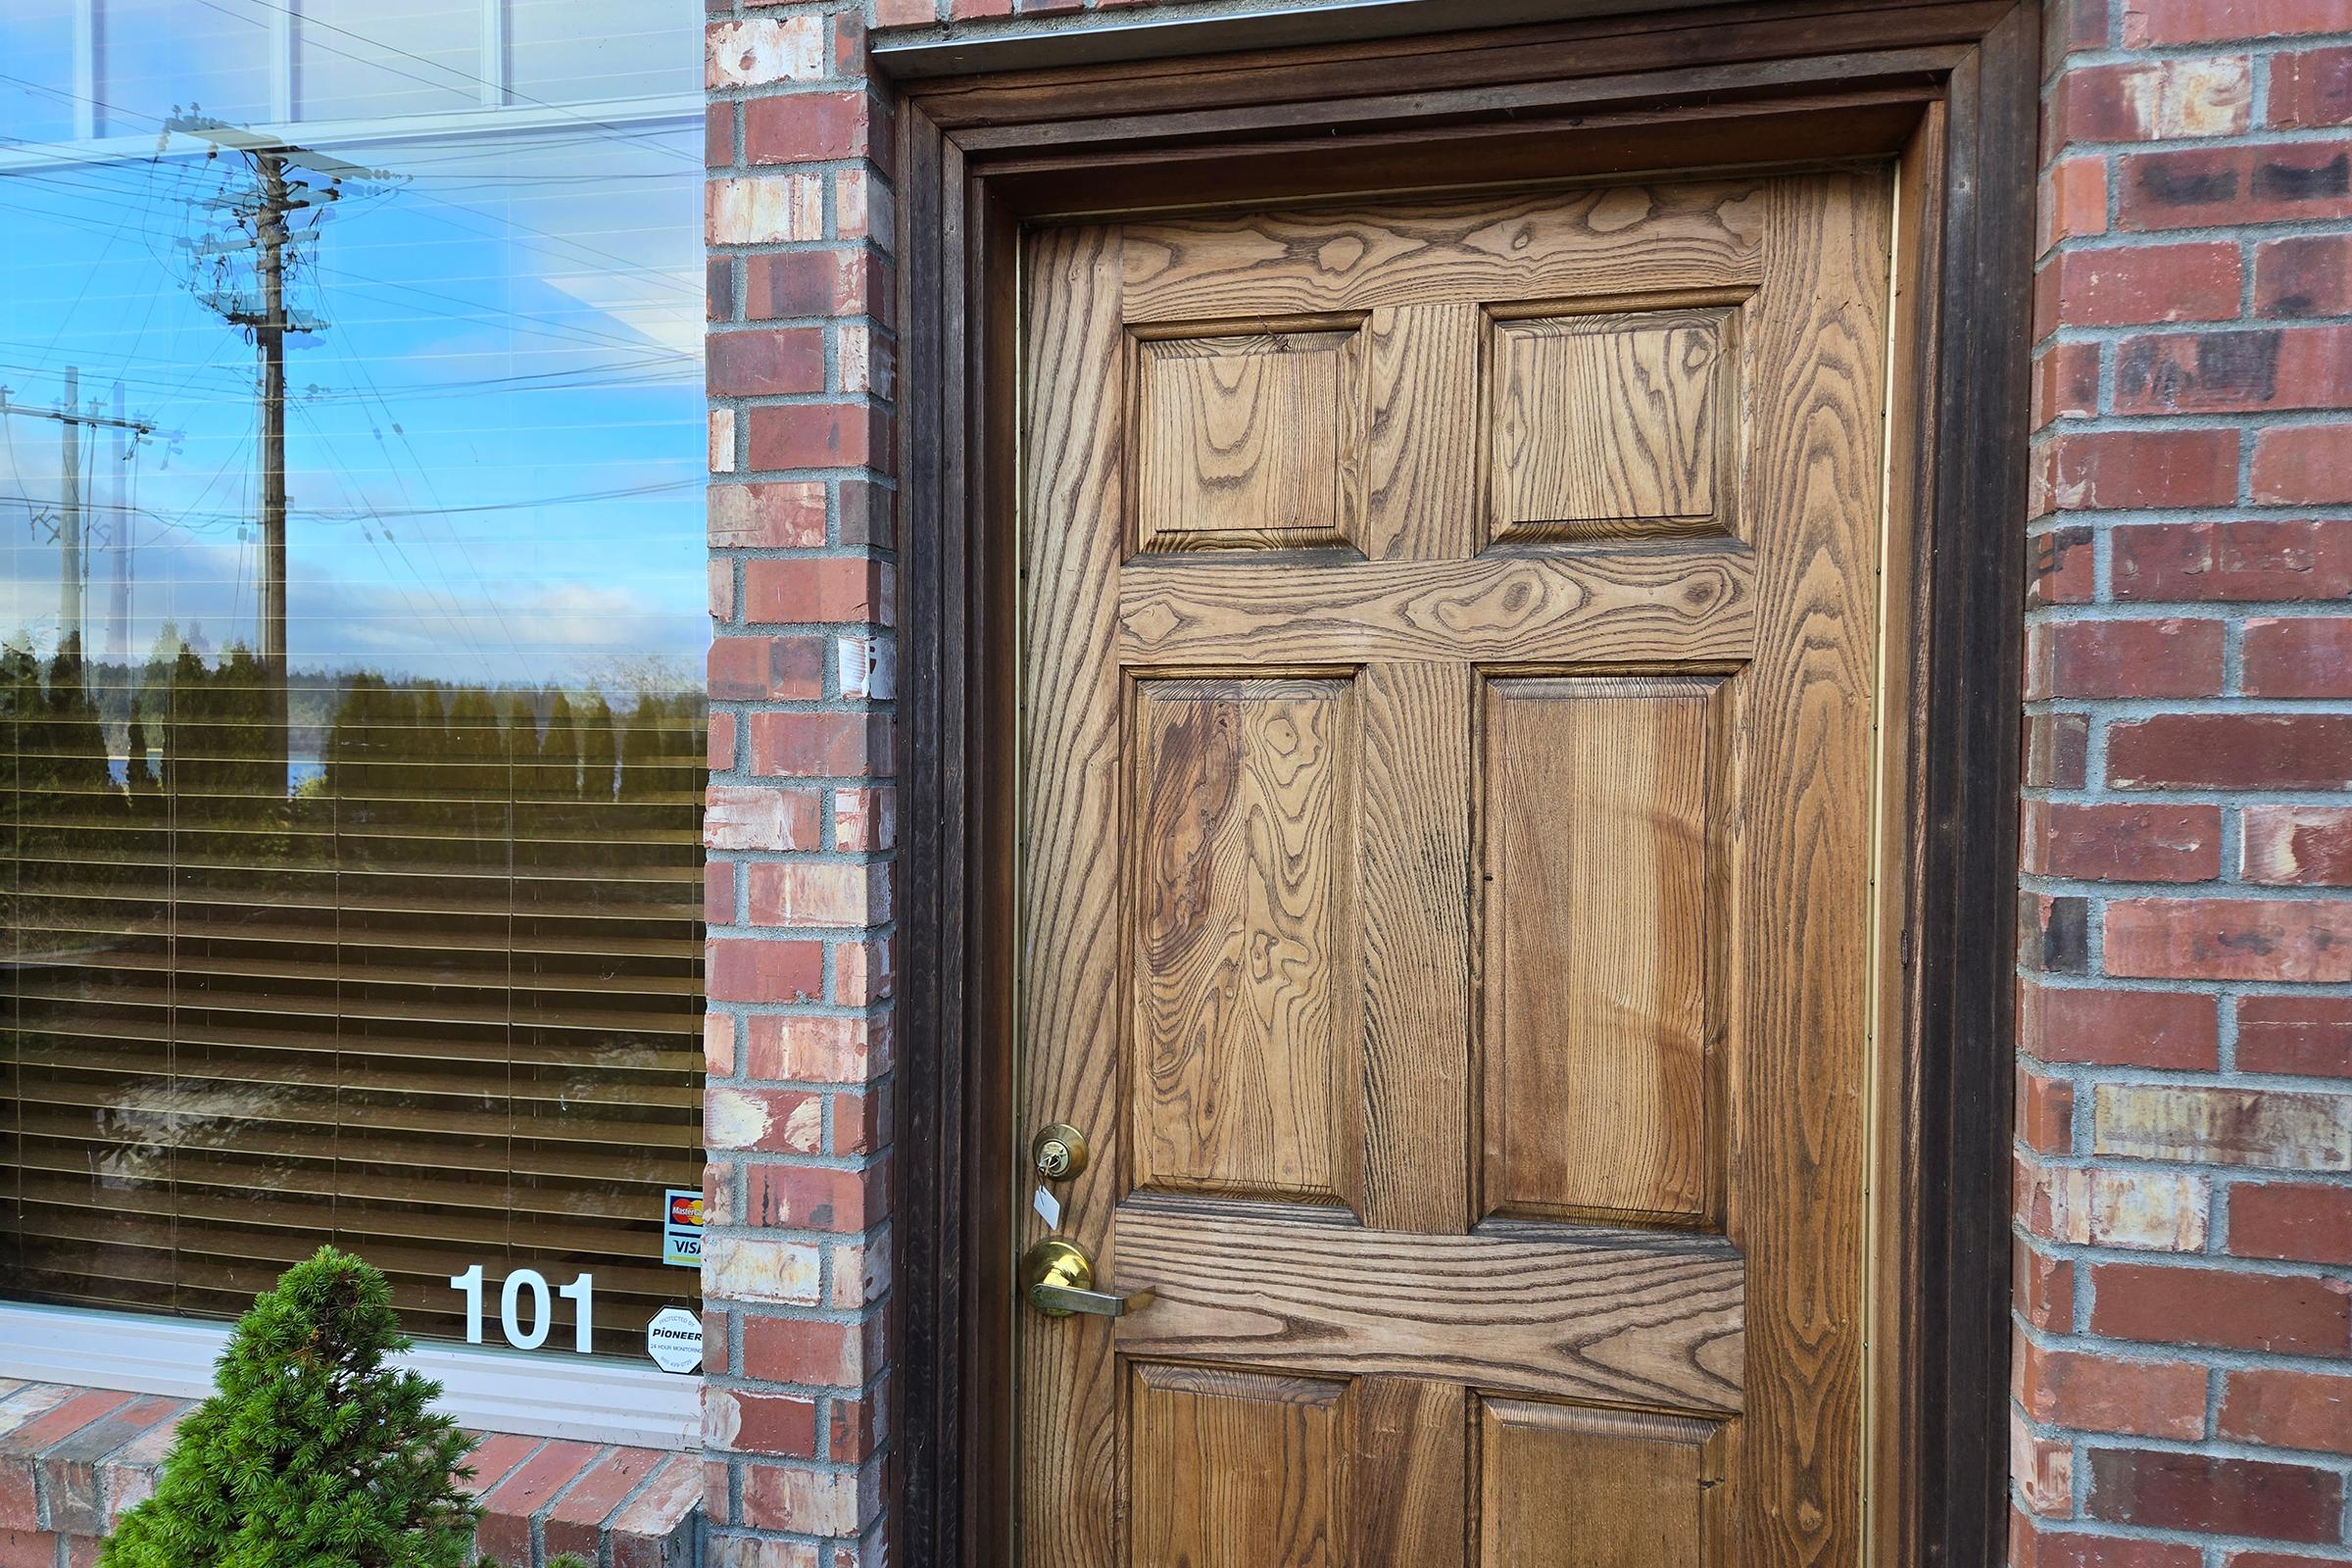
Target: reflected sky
x=494 y=448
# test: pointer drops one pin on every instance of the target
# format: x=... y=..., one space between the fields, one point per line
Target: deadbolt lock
x=1058 y=1151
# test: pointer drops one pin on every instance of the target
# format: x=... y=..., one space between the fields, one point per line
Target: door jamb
x=1947 y=90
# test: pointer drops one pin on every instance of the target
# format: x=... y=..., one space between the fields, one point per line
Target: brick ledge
x=72 y=1460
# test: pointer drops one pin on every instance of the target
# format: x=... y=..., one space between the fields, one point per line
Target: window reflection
x=387 y=932
x=36 y=71
x=340 y=74
x=154 y=55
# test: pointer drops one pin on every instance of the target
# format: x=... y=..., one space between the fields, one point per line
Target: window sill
x=580 y=1397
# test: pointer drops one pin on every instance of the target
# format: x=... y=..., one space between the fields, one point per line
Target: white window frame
x=588 y=1398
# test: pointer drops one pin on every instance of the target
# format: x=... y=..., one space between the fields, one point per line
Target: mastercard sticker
x=682 y=1227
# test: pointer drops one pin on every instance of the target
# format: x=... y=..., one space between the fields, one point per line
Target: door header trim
x=1047 y=43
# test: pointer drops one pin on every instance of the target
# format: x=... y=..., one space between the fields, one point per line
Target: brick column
x=2183 y=1397
x=801 y=819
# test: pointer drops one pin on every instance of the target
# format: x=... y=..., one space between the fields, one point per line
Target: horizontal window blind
x=440 y=1005
x=392 y=939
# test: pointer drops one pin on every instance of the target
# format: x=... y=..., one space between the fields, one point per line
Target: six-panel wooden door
x=1449 y=657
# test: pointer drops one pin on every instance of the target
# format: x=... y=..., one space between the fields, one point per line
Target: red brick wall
x=2184 y=1319
x=2185 y=1127
x=802 y=817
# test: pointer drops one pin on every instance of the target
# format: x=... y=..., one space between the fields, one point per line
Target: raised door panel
x=1243 y=909
x=1611 y=424
x=1236 y=1469
x=1247 y=440
x=1602 y=897
x=1567 y=1487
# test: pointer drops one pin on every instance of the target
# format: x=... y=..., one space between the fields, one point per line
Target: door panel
x=1645 y=1486
x=1249 y=439
x=1236 y=1466
x=1603 y=958
x=1655 y=467
x=1240 y=892
x=1448 y=678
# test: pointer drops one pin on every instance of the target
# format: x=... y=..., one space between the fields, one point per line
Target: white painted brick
x=763 y=50
x=765 y=209
x=756 y=1268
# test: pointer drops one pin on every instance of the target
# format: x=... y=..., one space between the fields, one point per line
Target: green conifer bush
x=313 y=1453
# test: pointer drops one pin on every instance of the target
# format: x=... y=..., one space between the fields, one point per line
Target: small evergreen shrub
x=313 y=1452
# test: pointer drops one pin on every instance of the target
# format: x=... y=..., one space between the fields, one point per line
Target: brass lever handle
x=1060 y=1300
x=1058 y=1279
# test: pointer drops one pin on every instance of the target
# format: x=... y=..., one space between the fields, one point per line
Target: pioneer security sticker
x=674 y=1339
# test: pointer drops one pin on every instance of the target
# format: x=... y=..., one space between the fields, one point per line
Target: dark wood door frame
x=1947 y=91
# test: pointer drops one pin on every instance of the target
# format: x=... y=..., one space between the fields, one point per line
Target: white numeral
x=584 y=1315
x=524 y=1279
x=470 y=1282
x=581 y=1293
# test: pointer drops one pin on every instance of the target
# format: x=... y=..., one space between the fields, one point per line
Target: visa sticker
x=682 y=1227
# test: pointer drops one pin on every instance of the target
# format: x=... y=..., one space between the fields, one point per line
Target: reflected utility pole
x=261 y=212
x=70 y=619
x=123 y=536
x=71 y=532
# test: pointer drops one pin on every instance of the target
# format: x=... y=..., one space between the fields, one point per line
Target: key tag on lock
x=1057 y=1153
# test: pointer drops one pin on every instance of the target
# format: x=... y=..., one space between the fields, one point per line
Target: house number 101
x=526 y=1282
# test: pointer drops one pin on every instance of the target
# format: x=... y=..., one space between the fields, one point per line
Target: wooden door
x=1449 y=656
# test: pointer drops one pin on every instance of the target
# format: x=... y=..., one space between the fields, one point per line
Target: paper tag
x=1048 y=1210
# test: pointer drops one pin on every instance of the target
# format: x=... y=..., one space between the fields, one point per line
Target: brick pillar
x=2183 y=1397
x=801 y=820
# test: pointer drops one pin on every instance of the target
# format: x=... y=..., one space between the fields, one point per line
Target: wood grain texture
x=1615 y=240
x=1610 y=424
x=1979 y=238
x=1243 y=905
x=1632 y=1317
x=1408 y=1471
x=1236 y=1469
x=1420 y=466
x=1802 y=874
x=1414 y=854
x=1072 y=1490
x=1619 y=606
x=1644 y=1490
x=1602 y=912
x=1247 y=440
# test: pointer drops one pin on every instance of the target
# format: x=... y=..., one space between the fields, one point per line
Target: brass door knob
x=1058 y=1279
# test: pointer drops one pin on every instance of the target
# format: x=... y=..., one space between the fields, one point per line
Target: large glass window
x=352 y=628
